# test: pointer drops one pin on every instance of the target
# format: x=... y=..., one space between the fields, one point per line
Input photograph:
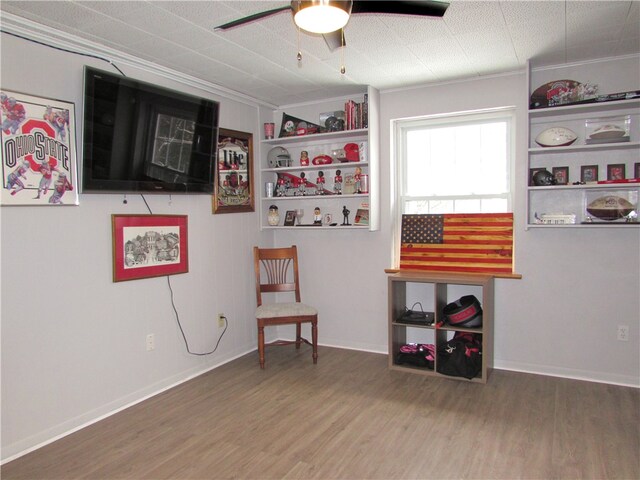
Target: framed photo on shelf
x=561 y=175
x=636 y=170
x=233 y=180
x=39 y=164
x=362 y=217
x=616 y=171
x=589 y=173
x=146 y=246
x=290 y=218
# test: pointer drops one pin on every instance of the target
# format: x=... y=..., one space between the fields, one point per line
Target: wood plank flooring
x=348 y=417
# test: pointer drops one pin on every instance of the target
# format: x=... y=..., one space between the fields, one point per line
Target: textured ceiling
x=259 y=59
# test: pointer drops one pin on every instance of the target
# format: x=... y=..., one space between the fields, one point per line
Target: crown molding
x=30 y=30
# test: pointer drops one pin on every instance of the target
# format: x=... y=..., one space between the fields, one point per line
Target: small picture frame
x=290 y=218
x=362 y=217
x=636 y=170
x=589 y=173
x=616 y=171
x=146 y=246
x=328 y=219
x=561 y=175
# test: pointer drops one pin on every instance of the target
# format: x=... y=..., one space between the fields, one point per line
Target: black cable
x=145 y=202
x=175 y=310
x=65 y=50
x=186 y=343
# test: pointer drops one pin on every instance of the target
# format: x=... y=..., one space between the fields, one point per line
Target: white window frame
x=399 y=127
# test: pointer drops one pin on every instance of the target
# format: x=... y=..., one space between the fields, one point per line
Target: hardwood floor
x=348 y=417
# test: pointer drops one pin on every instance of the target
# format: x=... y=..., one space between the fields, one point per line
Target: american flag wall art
x=466 y=243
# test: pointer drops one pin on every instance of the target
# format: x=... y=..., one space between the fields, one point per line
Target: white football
x=556 y=137
x=608 y=131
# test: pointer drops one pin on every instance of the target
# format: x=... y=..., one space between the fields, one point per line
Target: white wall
x=73 y=342
x=560 y=319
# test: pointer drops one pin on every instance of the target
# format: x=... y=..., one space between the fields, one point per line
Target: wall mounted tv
x=139 y=137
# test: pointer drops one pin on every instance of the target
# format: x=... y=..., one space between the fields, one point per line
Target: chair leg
x=314 y=340
x=261 y=345
x=298 y=335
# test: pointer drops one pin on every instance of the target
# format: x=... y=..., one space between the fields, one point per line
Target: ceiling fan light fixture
x=321 y=16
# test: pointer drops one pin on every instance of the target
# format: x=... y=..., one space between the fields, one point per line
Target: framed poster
x=38 y=150
x=233 y=183
x=147 y=246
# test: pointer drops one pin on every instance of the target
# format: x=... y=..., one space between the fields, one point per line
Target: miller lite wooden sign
x=38 y=150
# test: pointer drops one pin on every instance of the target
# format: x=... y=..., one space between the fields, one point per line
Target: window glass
x=455 y=164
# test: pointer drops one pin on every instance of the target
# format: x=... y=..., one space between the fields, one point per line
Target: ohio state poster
x=38 y=151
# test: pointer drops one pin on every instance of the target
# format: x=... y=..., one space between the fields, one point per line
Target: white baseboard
x=57 y=432
x=574 y=374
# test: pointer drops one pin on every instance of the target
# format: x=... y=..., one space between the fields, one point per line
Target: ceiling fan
x=328 y=17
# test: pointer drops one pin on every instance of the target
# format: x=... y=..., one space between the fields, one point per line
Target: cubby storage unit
x=565 y=205
x=329 y=202
x=434 y=291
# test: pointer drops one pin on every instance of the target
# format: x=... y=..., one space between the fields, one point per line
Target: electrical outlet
x=623 y=333
x=151 y=342
x=221 y=320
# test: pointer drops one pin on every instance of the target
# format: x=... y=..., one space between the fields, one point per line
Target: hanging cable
x=299 y=56
x=184 y=337
x=66 y=50
x=145 y=202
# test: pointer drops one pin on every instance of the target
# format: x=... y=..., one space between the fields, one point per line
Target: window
x=458 y=163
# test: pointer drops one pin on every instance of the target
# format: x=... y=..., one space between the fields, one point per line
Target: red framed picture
x=561 y=174
x=147 y=246
x=616 y=171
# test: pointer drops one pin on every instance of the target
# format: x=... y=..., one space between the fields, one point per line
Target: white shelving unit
x=572 y=199
x=324 y=143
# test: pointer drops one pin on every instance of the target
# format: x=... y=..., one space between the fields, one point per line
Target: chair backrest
x=276 y=271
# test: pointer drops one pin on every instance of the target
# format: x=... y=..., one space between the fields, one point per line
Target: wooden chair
x=277 y=272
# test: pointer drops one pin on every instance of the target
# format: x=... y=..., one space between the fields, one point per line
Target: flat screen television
x=139 y=137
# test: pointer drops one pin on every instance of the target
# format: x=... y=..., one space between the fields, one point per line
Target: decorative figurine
x=317 y=216
x=357 y=176
x=280 y=187
x=337 y=183
x=273 y=218
x=304 y=158
x=302 y=186
x=320 y=183
x=345 y=214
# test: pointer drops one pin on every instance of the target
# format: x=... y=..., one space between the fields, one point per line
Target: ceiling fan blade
x=401 y=7
x=334 y=39
x=251 y=18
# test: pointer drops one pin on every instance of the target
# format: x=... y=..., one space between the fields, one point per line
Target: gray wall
x=577 y=284
x=73 y=342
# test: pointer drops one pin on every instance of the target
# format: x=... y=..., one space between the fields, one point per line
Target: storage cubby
x=433 y=292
